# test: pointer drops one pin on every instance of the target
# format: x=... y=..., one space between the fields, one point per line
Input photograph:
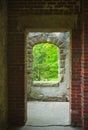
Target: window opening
x=45 y=62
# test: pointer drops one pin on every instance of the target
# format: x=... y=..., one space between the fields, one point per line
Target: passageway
x=54 y=106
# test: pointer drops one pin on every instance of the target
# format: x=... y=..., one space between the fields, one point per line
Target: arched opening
x=50 y=91
x=46 y=64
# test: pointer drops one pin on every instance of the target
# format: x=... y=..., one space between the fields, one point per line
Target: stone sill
x=46 y=84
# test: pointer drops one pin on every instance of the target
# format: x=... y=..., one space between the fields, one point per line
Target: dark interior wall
x=3 y=87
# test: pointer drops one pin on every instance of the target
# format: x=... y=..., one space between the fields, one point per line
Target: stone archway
x=61 y=43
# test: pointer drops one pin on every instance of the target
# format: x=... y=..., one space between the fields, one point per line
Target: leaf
x=45 y=61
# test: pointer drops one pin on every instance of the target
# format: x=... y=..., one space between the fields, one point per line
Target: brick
x=76 y=76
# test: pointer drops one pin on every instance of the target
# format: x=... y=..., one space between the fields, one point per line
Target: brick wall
x=85 y=68
x=16 y=54
x=76 y=78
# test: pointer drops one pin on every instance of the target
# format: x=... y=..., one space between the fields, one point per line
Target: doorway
x=49 y=103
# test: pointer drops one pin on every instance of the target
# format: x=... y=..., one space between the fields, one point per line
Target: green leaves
x=45 y=62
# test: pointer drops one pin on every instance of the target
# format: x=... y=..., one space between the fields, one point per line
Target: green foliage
x=45 y=62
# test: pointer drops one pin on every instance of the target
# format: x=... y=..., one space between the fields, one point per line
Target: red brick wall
x=76 y=78
x=16 y=54
x=85 y=68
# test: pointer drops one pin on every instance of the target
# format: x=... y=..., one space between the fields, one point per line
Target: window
x=45 y=62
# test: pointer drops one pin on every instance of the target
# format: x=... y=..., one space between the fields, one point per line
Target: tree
x=45 y=62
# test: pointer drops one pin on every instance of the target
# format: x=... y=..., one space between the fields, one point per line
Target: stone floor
x=47 y=116
x=46 y=128
x=48 y=113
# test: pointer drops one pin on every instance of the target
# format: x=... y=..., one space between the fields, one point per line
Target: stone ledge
x=46 y=84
